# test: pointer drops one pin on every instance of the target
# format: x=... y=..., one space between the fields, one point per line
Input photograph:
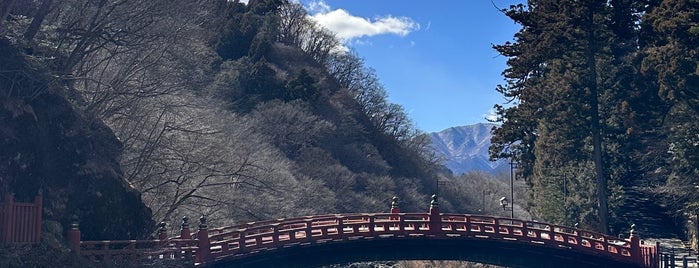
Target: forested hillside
x=126 y=113
x=239 y=112
x=604 y=109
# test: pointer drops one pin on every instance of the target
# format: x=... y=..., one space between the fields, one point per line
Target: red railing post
x=635 y=242
x=340 y=227
x=9 y=221
x=38 y=206
x=184 y=229
x=655 y=262
x=204 y=246
x=275 y=234
x=309 y=230
x=435 y=218
x=394 y=210
x=242 y=238
x=394 y=205
x=74 y=235
x=162 y=231
x=186 y=234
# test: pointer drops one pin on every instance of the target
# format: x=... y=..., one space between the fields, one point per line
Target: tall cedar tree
x=561 y=76
x=671 y=61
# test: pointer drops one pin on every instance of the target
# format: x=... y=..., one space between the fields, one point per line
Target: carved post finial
x=202 y=222
x=184 y=228
x=185 y=222
x=434 y=203
x=394 y=205
x=435 y=224
x=74 y=223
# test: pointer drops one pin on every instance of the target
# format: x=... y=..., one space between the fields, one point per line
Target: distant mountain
x=465 y=149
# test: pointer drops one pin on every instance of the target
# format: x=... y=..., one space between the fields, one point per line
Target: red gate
x=20 y=222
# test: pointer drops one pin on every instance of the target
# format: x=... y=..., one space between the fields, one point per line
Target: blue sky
x=435 y=58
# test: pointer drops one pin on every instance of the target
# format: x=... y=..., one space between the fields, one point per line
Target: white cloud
x=318 y=7
x=491 y=115
x=348 y=27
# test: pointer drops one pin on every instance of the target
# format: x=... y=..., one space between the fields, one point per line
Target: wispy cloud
x=491 y=115
x=348 y=27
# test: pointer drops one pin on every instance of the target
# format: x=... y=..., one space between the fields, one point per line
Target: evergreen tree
x=302 y=87
x=564 y=126
x=671 y=65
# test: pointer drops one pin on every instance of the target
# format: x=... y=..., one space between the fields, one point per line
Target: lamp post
x=512 y=184
x=483 y=204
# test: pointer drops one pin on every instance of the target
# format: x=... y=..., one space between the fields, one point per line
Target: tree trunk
x=41 y=13
x=595 y=125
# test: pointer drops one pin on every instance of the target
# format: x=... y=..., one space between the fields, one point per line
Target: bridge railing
x=239 y=241
x=255 y=238
x=130 y=253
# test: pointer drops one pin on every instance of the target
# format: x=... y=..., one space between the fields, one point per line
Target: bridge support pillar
x=435 y=218
x=203 y=246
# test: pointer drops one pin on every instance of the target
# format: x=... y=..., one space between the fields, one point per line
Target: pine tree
x=565 y=127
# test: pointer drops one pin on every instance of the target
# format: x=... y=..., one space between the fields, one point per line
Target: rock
x=50 y=146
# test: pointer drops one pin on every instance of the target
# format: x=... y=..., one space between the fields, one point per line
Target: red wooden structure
x=20 y=222
x=129 y=253
x=241 y=242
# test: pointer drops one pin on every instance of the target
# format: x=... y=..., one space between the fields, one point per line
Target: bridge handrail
x=135 y=250
x=242 y=240
x=250 y=238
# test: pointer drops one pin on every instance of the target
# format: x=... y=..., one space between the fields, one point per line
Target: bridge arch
x=332 y=239
x=318 y=240
x=426 y=248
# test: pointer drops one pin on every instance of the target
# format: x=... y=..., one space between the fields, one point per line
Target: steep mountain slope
x=465 y=148
x=48 y=146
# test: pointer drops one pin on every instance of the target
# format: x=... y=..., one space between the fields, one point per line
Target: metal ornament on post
x=435 y=217
x=394 y=205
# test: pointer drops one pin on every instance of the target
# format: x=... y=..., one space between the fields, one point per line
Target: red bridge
x=332 y=239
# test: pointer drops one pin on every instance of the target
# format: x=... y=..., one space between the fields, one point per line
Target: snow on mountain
x=465 y=148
